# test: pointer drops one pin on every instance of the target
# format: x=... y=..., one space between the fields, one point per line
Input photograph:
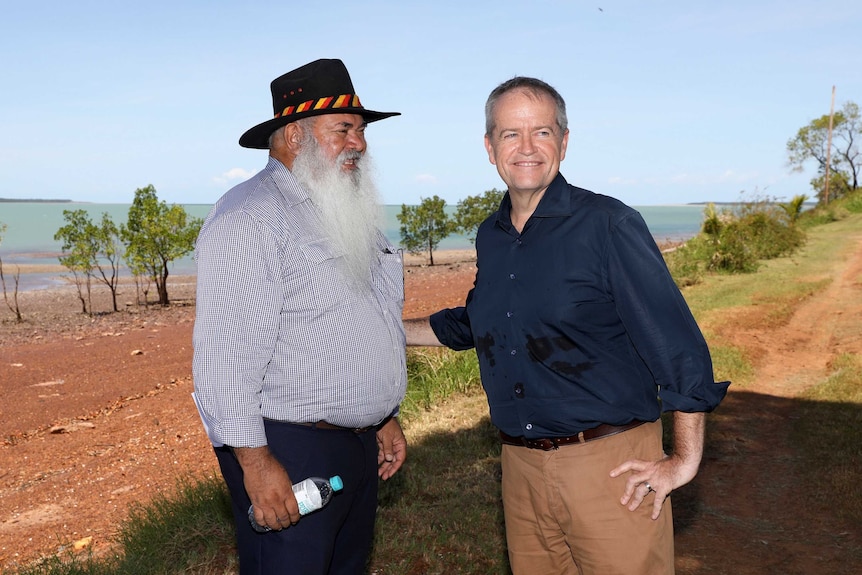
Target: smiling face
x=338 y=133
x=526 y=143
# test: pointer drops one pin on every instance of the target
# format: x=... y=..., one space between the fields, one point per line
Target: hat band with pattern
x=328 y=102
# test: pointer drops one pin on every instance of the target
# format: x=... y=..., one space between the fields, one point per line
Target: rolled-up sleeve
x=452 y=328
x=657 y=318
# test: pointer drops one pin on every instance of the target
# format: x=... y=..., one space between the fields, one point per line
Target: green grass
x=442 y=513
x=729 y=363
x=834 y=211
x=434 y=374
x=190 y=529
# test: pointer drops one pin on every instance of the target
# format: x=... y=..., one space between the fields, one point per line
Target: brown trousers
x=563 y=512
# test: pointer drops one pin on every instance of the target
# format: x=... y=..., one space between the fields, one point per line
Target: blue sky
x=669 y=101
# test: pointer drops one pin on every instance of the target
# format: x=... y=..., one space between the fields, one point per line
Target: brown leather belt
x=326 y=425
x=549 y=443
x=357 y=430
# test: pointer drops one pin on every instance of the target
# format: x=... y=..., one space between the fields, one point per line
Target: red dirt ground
x=96 y=416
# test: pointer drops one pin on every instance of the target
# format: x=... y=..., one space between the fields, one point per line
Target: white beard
x=348 y=205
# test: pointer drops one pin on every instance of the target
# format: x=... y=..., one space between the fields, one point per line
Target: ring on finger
x=648 y=487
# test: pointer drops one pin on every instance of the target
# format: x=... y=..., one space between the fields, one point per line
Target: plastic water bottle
x=311 y=494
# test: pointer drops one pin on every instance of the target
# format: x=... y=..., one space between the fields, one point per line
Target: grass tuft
x=190 y=531
x=731 y=364
x=436 y=373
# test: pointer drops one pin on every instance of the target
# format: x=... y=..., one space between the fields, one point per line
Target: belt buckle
x=545 y=444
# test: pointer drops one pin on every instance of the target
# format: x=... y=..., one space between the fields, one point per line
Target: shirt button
x=514 y=351
x=509 y=314
x=519 y=389
x=511 y=276
x=528 y=427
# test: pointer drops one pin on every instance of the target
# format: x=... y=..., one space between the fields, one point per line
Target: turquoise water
x=30 y=229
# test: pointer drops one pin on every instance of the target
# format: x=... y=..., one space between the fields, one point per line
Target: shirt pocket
x=315 y=281
x=320 y=251
x=390 y=280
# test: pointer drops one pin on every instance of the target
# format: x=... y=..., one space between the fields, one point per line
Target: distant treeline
x=21 y=200
x=807 y=203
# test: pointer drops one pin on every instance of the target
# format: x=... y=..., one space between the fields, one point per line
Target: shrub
x=853 y=202
x=766 y=234
x=734 y=240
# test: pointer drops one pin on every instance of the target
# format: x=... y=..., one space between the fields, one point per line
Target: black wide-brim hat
x=320 y=87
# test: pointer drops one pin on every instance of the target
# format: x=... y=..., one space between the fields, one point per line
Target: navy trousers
x=335 y=540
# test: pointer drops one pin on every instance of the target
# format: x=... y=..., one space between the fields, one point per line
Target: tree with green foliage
x=91 y=251
x=155 y=235
x=473 y=210
x=845 y=161
x=79 y=253
x=423 y=226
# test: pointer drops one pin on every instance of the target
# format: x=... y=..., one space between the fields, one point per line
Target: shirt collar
x=555 y=203
x=287 y=183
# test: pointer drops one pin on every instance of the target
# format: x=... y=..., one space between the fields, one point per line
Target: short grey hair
x=532 y=86
x=307 y=125
x=271 y=139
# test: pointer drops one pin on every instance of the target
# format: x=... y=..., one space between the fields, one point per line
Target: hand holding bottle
x=268 y=485
x=311 y=494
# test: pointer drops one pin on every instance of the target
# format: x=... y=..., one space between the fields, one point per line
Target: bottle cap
x=335 y=482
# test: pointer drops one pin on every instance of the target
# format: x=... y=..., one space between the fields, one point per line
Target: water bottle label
x=304 y=508
x=307 y=497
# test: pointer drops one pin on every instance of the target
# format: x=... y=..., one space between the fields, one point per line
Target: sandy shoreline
x=440 y=257
x=41 y=277
x=55 y=276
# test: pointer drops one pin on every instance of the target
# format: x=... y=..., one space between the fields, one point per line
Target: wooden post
x=829 y=147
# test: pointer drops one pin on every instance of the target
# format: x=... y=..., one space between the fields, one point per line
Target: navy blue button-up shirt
x=576 y=320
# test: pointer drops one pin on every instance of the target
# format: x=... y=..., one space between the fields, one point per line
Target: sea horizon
x=31 y=225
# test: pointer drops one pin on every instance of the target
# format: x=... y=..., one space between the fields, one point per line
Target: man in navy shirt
x=583 y=340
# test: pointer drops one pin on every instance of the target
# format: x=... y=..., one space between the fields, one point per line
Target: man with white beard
x=299 y=350
x=346 y=200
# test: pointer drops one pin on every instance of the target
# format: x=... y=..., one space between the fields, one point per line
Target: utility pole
x=829 y=146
